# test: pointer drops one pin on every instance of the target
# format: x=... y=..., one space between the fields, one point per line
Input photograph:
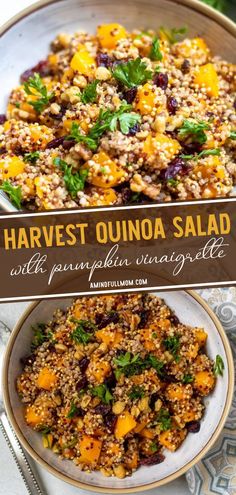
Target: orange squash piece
x=125 y=423
x=145 y=99
x=206 y=77
x=11 y=167
x=204 y=382
x=83 y=63
x=46 y=379
x=105 y=173
x=161 y=143
x=98 y=370
x=90 y=449
x=109 y=34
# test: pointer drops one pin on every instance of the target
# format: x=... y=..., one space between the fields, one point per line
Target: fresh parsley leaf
x=157 y=364
x=128 y=364
x=233 y=135
x=132 y=73
x=172 y=344
x=219 y=366
x=17 y=104
x=163 y=419
x=74 y=182
x=195 y=130
x=187 y=378
x=31 y=157
x=83 y=332
x=14 y=193
x=215 y=152
x=154 y=447
x=173 y=35
x=39 y=335
x=89 y=95
x=172 y=182
x=73 y=411
x=103 y=393
x=155 y=52
x=34 y=86
x=127 y=121
x=76 y=135
x=136 y=392
x=216 y=4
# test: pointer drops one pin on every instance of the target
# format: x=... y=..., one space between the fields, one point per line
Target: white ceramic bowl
x=26 y=38
x=191 y=309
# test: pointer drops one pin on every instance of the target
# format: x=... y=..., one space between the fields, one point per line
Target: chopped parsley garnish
x=195 y=130
x=89 y=94
x=155 y=52
x=132 y=73
x=44 y=429
x=173 y=182
x=173 y=35
x=83 y=332
x=187 y=378
x=103 y=393
x=35 y=87
x=233 y=135
x=157 y=364
x=74 y=182
x=136 y=392
x=17 y=104
x=154 y=447
x=128 y=365
x=127 y=121
x=216 y=4
x=215 y=152
x=76 y=135
x=219 y=366
x=73 y=411
x=31 y=157
x=13 y=192
x=172 y=344
x=163 y=419
x=39 y=335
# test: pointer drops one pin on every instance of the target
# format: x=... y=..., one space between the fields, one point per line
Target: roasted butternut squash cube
x=46 y=379
x=201 y=336
x=110 y=337
x=161 y=143
x=178 y=392
x=90 y=449
x=204 y=382
x=206 y=77
x=98 y=370
x=109 y=34
x=83 y=63
x=145 y=99
x=172 y=439
x=125 y=423
x=11 y=167
x=103 y=172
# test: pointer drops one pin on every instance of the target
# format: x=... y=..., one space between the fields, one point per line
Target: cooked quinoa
x=120 y=117
x=114 y=381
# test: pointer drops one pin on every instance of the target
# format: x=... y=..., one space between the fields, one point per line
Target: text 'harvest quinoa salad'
x=115 y=380
x=119 y=118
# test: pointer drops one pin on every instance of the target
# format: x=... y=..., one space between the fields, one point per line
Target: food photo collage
x=117 y=247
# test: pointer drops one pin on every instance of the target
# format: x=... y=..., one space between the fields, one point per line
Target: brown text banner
x=144 y=247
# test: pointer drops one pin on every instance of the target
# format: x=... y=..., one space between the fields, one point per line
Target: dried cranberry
x=3 y=118
x=174 y=319
x=234 y=105
x=177 y=166
x=103 y=60
x=41 y=68
x=126 y=195
x=161 y=80
x=172 y=105
x=110 y=421
x=193 y=426
x=59 y=115
x=102 y=320
x=68 y=143
x=110 y=381
x=130 y=94
x=185 y=67
x=143 y=318
x=133 y=130
x=193 y=147
x=83 y=364
x=28 y=360
x=81 y=384
x=152 y=459
x=2 y=151
x=103 y=409
x=55 y=142
x=154 y=397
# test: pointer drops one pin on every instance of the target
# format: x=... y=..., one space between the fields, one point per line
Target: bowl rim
x=221 y=19
x=79 y=484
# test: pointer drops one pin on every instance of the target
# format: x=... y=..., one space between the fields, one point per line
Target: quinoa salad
x=114 y=381
x=120 y=117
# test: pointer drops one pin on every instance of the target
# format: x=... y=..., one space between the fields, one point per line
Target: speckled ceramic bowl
x=26 y=38
x=192 y=310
